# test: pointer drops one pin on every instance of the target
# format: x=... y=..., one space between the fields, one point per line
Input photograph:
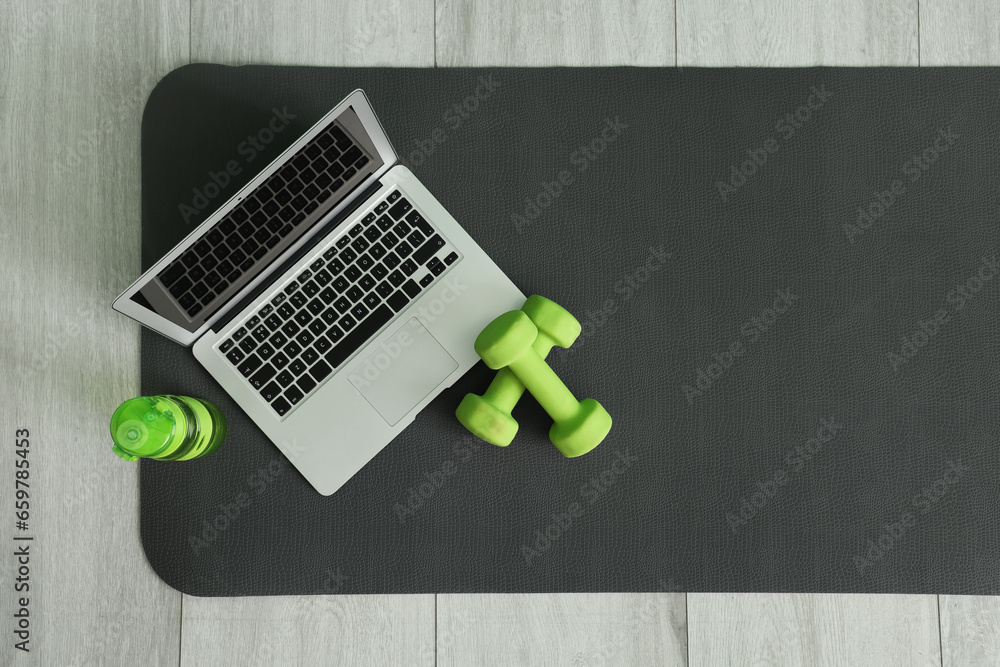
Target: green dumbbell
x=488 y=416
x=506 y=342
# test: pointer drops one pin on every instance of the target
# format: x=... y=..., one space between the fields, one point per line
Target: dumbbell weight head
x=579 y=426
x=489 y=416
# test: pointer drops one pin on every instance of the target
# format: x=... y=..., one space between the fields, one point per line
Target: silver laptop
x=333 y=297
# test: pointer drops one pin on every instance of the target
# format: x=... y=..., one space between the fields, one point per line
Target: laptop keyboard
x=262 y=220
x=331 y=308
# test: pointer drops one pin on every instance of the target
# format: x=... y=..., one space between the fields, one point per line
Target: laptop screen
x=223 y=257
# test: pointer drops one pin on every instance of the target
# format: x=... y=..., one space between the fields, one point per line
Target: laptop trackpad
x=402 y=371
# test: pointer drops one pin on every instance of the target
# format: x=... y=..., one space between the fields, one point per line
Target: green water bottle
x=166 y=428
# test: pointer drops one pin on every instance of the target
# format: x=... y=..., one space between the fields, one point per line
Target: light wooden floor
x=73 y=82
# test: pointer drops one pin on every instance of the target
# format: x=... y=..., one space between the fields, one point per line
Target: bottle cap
x=145 y=427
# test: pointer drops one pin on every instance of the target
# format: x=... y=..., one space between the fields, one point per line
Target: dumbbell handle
x=547 y=388
x=506 y=389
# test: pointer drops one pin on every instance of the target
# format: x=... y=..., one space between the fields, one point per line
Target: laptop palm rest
x=402 y=371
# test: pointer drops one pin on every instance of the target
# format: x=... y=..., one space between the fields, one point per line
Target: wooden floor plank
x=309 y=630
x=779 y=33
x=72 y=89
x=970 y=630
x=959 y=32
x=559 y=32
x=285 y=32
x=549 y=630
x=816 y=630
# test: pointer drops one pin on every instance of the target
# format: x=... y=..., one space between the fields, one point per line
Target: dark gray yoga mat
x=787 y=284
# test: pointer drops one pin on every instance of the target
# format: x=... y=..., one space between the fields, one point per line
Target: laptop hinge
x=362 y=197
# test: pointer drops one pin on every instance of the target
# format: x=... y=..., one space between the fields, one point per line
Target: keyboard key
x=261 y=333
x=397 y=278
x=379 y=271
x=320 y=371
x=305 y=275
x=292 y=349
x=403 y=249
x=360 y=244
x=450 y=259
x=343 y=241
x=354 y=294
x=409 y=267
x=284 y=378
x=309 y=356
x=323 y=278
x=411 y=288
x=322 y=344
x=279 y=299
x=317 y=327
x=226 y=346
x=401 y=208
x=366 y=283
x=293 y=395
x=171 y=275
x=342 y=304
x=352 y=273
x=249 y=365
x=304 y=338
x=270 y=392
x=265 y=351
x=365 y=262
x=298 y=300
x=281 y=406
x=240 y=333
x=372 y=234
x=417 y=220
x=316 y=306
x=385 y=223
x=262 y=376
x=265 y=311
x=415 y=238
x=235 y=356
x=197 y=273
x=356 y=229
x=302 y=317
x=335 y=267
x=306 y=383
x=180 y=286
x=391 y=261
x=384 y=289
x=310 y=288
x=317 y=265
x=382 y=206
x=359 y=311
x=291 y=287
x=329 y=316
x=253 y=322
x=348 y=255
x=289 y=329
x=279 y=361
x=298 y=367
x=221 y=287
x=426 y=280
x=187 y=300
x=389 y=240
x=334 y=334
x=248 y=344
x=215 y=237
x=212 y=279
x=376 y=251
x=193 y=310
x=273 y=322
x=436 y=266
x=398 y=301
x=354 y=340
x=328 y=295
x=346 y=323
x=341 y=284
x=401 y=229
x=371 y=300
x=393 y=196
x=428 y=249
x=286 y=310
